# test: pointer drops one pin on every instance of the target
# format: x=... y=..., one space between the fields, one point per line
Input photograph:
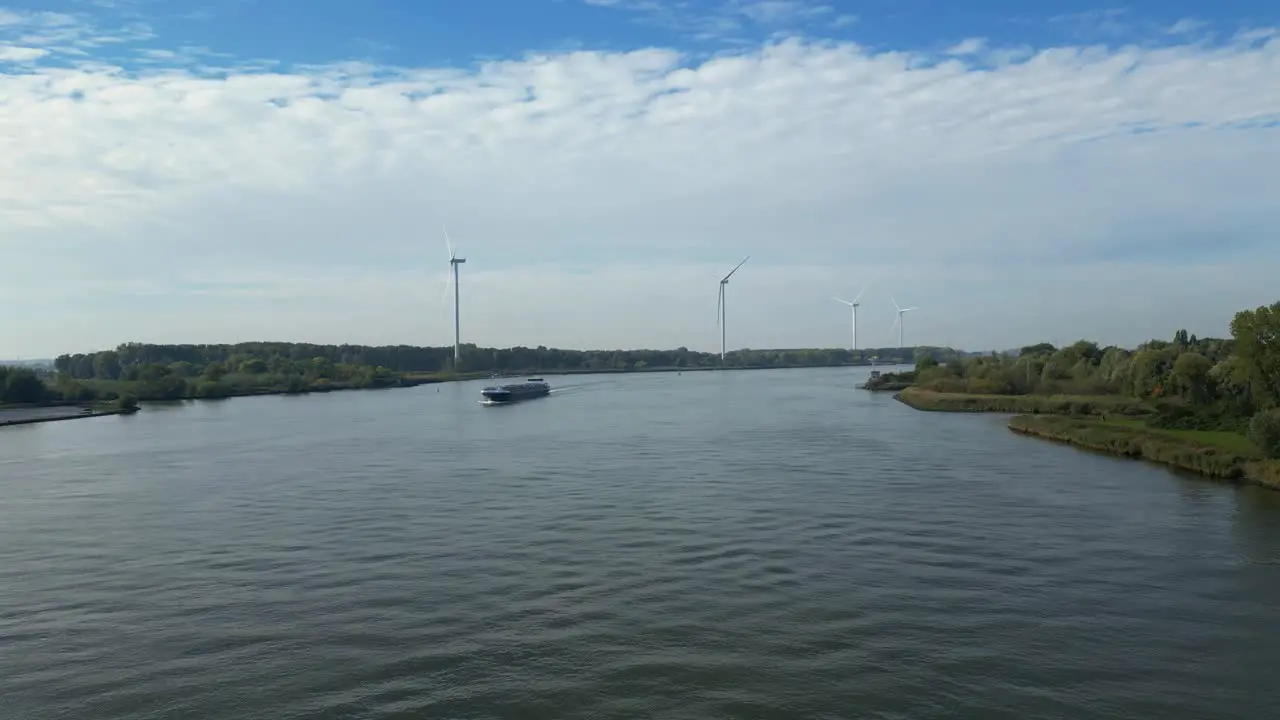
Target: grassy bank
x=1220 y=455
x=931 y=401
x=236 y=385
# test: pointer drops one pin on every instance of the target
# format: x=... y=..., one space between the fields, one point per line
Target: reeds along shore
x=1113 y=425
x=1182 y=452
x=931 y=401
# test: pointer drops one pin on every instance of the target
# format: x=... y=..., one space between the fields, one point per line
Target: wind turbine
x=854 y=307
x=454 y=262
x=898 y=321
x=720 y=307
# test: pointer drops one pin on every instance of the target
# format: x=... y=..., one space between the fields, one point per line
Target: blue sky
x=443 y=32
x=229 y=170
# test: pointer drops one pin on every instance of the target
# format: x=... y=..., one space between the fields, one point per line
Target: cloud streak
x=732 y=21
x=1070 y=191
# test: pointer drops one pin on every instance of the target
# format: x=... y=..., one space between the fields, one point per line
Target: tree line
x=128 y=361
x=169 y=372
x=1230 y=384
x=22 y=386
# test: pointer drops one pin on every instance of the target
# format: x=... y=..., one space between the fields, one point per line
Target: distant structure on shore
x=898 y=321
x=454 y=262
x=854 y=307
x=720 y=307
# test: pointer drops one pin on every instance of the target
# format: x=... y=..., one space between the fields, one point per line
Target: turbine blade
x=846 y=302
x=859 y=296
x=444 y=295
x=909 y=309
x=447 y=243
x=735 y=267
x=895 y=302
x=719 y=301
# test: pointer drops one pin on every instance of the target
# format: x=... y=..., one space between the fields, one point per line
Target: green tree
x=1264 y=432
x=1191 y=375
x=21 y=386
x=1113 y=365
x=1234 y=385
x=1257 y=336
x=153 y=372
x=1038 y=349
x=214 y=371
x=182 y=369
x=1146 y=372
x=106 y=365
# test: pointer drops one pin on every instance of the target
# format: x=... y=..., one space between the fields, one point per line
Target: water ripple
x=736 y=545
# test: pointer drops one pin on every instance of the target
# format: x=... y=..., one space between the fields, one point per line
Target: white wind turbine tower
x=454 y=262
x=720 y=307
x=898 y=321
x=853 y=306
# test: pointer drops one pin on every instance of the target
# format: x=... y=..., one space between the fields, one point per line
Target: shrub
x=210 y=390
x=127 y=401
x=990 y=386
x=1264 y=432
x=1081 y=408
x=944 y=384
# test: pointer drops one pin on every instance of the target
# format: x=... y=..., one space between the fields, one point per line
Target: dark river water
x=707 y=545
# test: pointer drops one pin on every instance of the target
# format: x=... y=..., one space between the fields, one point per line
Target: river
x=763 y=544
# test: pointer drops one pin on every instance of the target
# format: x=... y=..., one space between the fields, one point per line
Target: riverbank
x=32 y=415
x=1113 y=425
x=245 y=386
x=1219 y=455
x=930 y=401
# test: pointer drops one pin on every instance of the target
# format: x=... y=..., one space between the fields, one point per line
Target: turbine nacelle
x=453 y=253
x=725 y=280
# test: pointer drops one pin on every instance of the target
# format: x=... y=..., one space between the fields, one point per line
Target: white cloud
x=1186 y=26
x=599 y=196
x=14 y=53
x=66 y=33
x=777 y=11
x=968 y=46
x=726 y=21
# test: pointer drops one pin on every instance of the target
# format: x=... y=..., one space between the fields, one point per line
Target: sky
x=236 y=170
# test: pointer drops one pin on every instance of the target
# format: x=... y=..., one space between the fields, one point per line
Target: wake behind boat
x=515 y=392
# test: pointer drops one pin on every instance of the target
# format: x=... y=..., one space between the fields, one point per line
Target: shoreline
x=1156 y=446
x=30 y=415
x=1101 y=405
x=33 y=415
x=1080 y=421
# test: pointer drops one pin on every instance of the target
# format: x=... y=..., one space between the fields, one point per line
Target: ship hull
x=515 y=393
